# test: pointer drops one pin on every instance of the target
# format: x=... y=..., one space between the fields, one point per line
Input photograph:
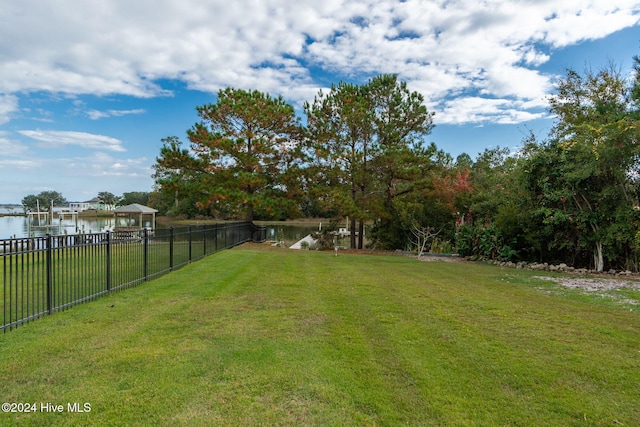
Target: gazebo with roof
x=135 y=214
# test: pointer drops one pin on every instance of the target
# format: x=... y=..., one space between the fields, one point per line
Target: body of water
x=19 y=226
x=287 y=233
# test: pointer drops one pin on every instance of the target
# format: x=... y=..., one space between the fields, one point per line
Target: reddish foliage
x=447 y=187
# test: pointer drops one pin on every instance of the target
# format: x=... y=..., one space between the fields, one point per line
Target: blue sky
x=88 y=89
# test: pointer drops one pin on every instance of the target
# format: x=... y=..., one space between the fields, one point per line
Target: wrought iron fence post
x=190 y=242
x=69 y=270
x=49 y=258
x=170 y=248
x=108 y=259
x=204 y=240
x=145 y=255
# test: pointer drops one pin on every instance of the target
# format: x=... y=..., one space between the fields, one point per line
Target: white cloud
x=77 y=178
x=101 y=165
x=571 y=23
x=58 y=139
x=96 y=114
x=17 y=167
x=8 y=104
x=476 y=62
x=484 y=110
x=19 y=164
x=444 y=48
x=10 y=147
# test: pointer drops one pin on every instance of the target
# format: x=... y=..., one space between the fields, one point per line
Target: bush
x=441 y=247
x=484 y=242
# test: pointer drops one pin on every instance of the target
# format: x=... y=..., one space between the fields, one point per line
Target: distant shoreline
x=84 y=214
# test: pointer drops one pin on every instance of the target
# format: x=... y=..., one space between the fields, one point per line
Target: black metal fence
x=42 y=275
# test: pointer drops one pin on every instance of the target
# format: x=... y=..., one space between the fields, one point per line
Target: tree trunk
x=352 y=232
x=361 y=234
x=598 y=257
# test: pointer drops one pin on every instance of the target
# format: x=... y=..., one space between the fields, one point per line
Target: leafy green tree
x=498 y=194
x=139 y=197
x=44 y=200
x=248 y=139
x=403 y=164
x=491 y=206
x=108 y=200
x=178 y=181
x=585 y=177
x=369 y=152
x=401 y=122
x=241 y=157
x=340 y=134
x=428 y=204
x=29 y=203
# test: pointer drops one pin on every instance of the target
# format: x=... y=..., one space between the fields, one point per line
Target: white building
x=83 y=206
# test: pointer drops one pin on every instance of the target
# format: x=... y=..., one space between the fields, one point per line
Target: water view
x=22 y=226
x=288 y=233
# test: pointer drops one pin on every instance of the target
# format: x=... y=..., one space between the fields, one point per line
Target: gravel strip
x=592 y=284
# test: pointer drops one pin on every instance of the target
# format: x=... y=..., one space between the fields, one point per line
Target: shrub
x=484 y=242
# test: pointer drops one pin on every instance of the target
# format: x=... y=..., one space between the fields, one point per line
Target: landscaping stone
x=538 y=266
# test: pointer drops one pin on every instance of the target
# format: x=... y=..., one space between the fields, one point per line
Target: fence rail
x=42 y=275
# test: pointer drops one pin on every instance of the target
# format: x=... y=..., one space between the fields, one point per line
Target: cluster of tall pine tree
x=363 y=154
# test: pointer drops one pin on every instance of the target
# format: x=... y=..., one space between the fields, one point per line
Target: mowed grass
x=276 y=337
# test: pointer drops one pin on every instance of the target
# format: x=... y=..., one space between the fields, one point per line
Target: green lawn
x=80 y=272
x=277 y=337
